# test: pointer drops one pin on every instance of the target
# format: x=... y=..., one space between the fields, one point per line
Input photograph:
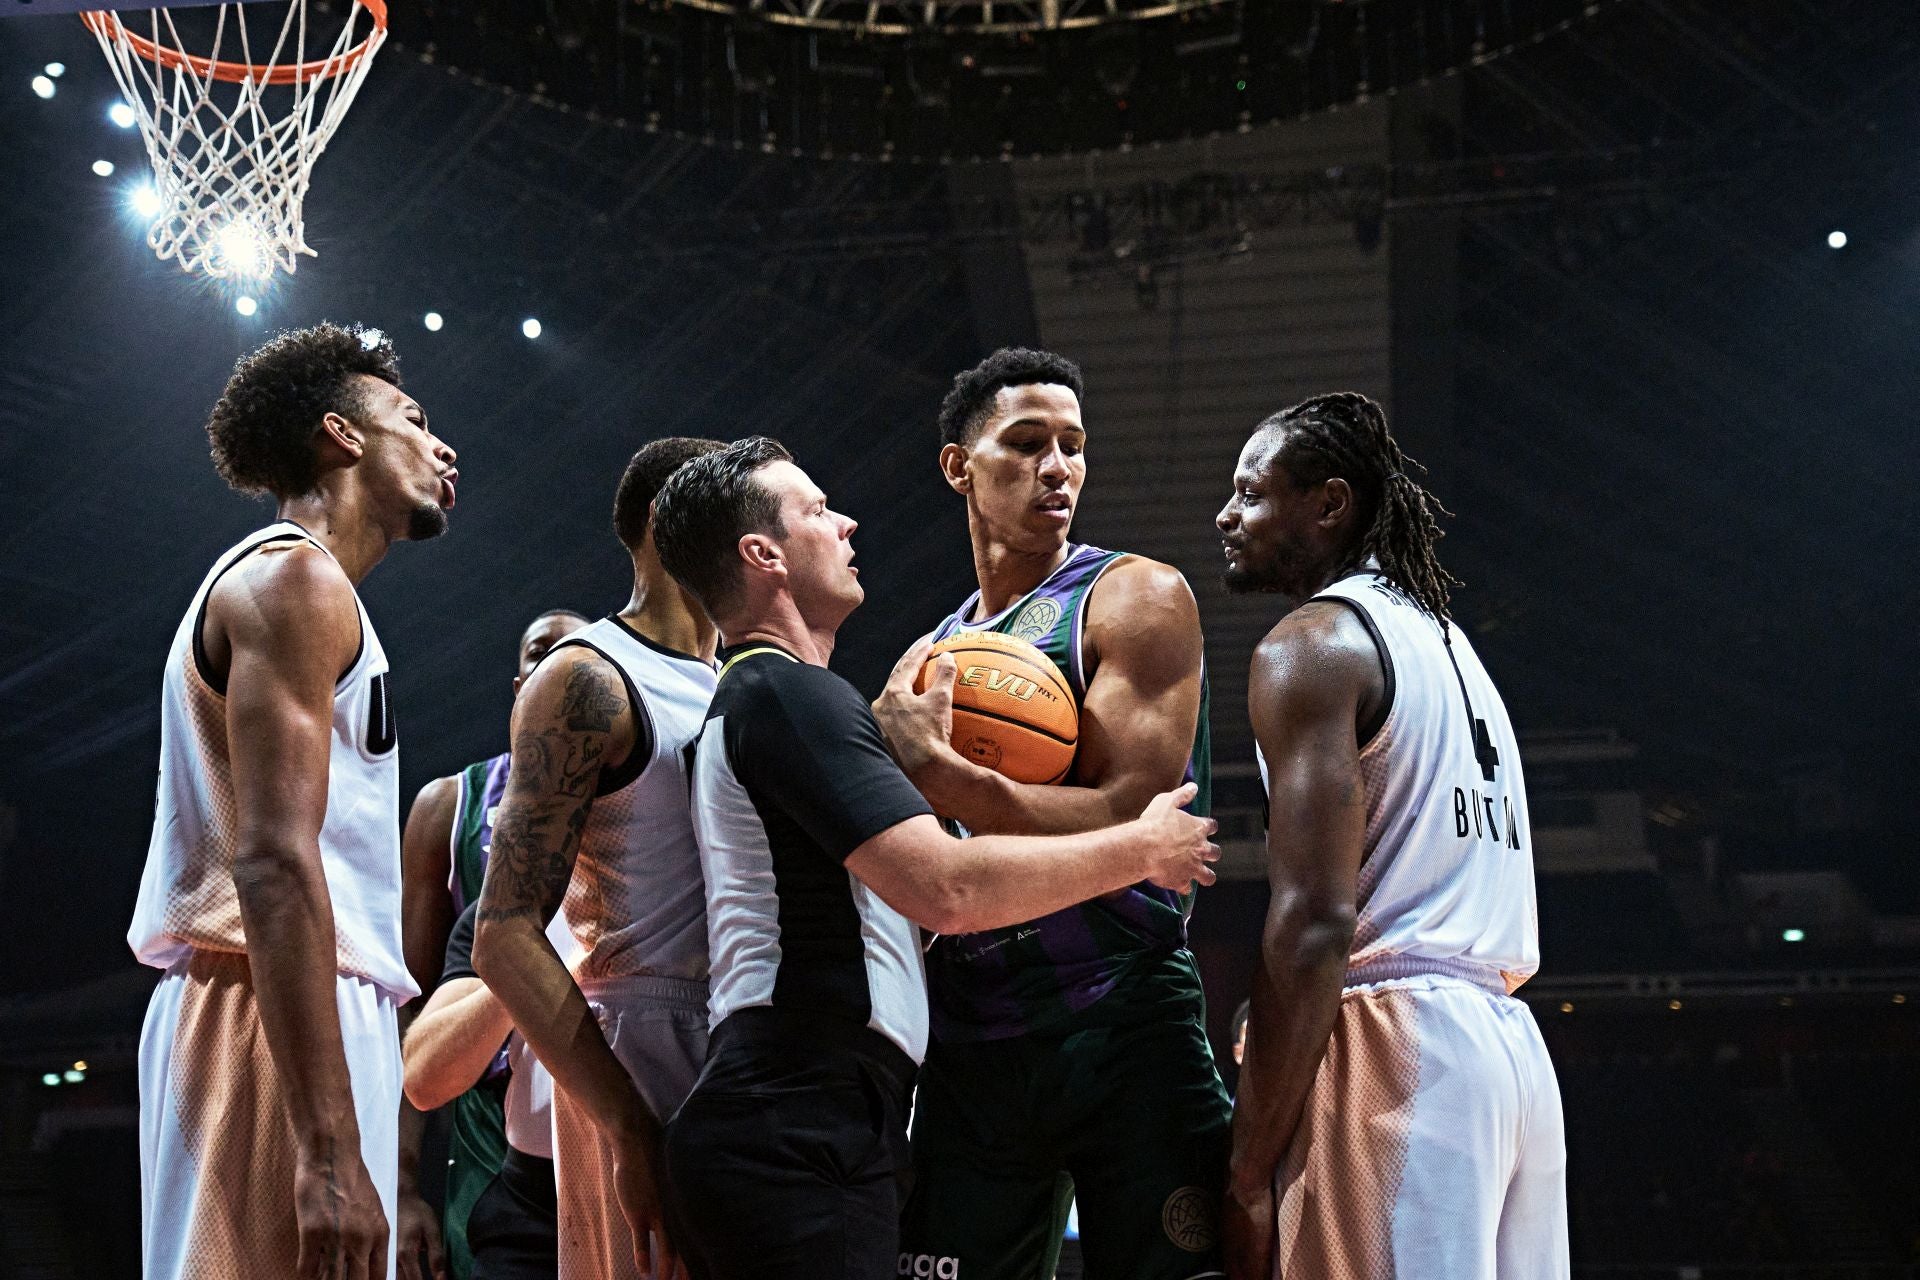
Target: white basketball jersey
x=637 y=903
x=1447 y=884
x=187 y=899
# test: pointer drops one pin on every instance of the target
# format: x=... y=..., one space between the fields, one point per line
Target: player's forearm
x=986 y=802
x=288 y=921
x=413 y=1122
x=1296 y=997
x=448 y=1049
x=992 y=881
x=519 y=965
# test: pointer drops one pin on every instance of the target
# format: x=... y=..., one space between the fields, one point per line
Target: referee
x=819 y=858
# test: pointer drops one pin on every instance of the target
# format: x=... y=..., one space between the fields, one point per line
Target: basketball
x=1012 y=709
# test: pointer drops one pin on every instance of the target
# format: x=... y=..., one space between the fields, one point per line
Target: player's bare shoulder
x=291 y=599
x=1139 y=601
x=1320 y=647
x=575 y=700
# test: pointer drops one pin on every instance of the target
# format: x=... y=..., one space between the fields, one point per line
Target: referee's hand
x=1178 y=845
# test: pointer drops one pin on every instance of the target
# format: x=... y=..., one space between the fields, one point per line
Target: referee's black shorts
x=787 y=1161
x=514 y=1229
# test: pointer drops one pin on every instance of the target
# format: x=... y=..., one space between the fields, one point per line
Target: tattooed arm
x=571 y=721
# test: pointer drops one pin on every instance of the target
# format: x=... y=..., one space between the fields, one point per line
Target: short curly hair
x=967 y=406
x=640 y=484
x=262 y=428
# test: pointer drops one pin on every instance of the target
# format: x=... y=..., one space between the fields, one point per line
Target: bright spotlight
x=43 y=86
x=530 y=327
x=103 y=168
x=244 y=249
x=51 y=1078
x=73 y=1077
x=1793 y=935
x=245 y=306
x=1836 y=239
x=433 y=321
x=56 y=69
x=121 y=114
x=145 y=201
x=80 y=1066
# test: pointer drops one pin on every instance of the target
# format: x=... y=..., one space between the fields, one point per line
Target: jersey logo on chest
x=1037 y=620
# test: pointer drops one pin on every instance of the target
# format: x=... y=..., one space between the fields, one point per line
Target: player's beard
x=428 y=520
x=1270 y=573
x=1244 y=582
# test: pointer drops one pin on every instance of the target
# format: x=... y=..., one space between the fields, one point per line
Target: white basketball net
x=232 y=157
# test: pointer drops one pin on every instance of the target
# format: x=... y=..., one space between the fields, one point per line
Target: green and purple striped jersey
x=1007 y=982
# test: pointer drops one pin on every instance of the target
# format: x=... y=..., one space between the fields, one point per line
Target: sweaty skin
x=1315 y=679
x=281 y=628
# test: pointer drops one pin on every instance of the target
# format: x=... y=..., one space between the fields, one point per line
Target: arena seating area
x=1802 y=1164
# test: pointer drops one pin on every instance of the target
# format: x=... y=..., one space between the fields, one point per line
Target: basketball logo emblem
x=1036 y=620
x=984 y=752
x=1187 y=1219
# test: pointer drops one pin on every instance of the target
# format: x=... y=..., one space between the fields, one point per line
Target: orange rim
x=106 y=23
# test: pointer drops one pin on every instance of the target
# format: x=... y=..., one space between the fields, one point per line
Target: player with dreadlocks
x=1397 y=1114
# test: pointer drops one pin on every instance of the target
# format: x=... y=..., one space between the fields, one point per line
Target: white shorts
x=216 y=1145
x=1432 y=1145
x=657 y=1027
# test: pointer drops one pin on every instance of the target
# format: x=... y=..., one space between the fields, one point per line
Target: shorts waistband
x=1392 y=968
x=688 y=993
x=205 y=962
x=783 y=1029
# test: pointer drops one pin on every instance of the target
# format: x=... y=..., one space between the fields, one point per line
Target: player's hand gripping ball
x=1012 y=710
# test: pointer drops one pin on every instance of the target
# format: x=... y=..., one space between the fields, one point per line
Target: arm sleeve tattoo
x=556 y=767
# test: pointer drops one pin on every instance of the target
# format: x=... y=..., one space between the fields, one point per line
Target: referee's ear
x=762 y=554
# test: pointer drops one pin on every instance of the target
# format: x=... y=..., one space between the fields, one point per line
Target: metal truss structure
x=951 y=17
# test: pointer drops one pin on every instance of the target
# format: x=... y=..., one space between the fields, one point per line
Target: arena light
x=42 y=86
x=145 y=200
x=244 y=249
x=1836 y=239
x=103 y=168
x=73 y=1077
x=433 y=321
x=1674 y=1005
x=245 y=306
x=56 y=69
x=530 y=327
x=80 y=1066
x=1793 y=935
x=51 y=1078
x=122 y=115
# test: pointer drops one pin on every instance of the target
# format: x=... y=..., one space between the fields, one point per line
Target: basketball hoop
x=233 y=142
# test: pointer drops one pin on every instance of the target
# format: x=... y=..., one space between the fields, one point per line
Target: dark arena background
x=1637 y=280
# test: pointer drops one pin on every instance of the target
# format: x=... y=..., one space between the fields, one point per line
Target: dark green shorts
x=1130 y=1119
x=476 y=1150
